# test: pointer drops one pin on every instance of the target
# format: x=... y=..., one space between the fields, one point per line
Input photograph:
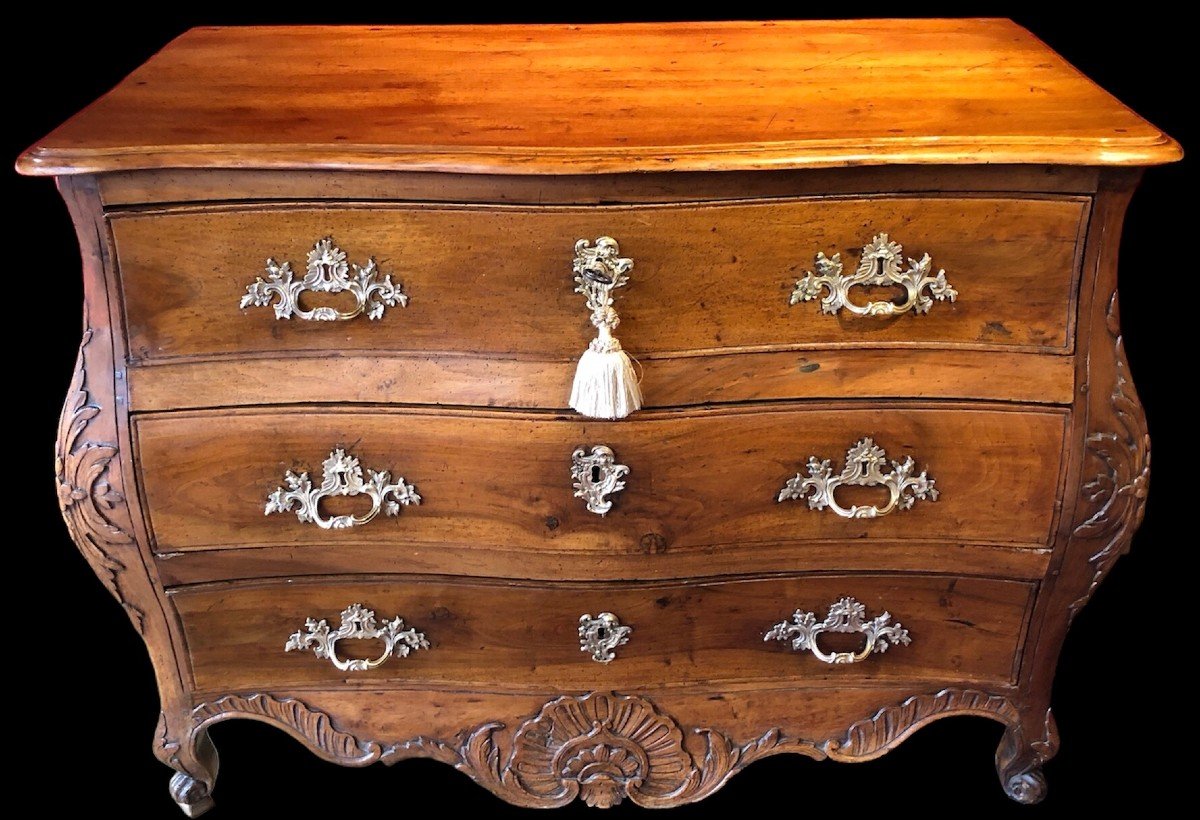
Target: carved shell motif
x=602 y=749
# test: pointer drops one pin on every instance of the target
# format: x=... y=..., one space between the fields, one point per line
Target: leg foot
x=190 y=795
x=1021 y=755
x=193 y=757
x=1024 y=787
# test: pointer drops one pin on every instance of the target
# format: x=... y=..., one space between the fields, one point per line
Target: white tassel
x=606 y=386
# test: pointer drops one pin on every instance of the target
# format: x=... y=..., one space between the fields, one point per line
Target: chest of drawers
x=877 y=446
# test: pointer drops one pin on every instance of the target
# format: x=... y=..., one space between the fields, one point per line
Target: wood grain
x=1106 y=491
x=525 y=636
x=497 y=282
x=651 y=559
x=671 y=382
x=503 y=479
x=557 y=99
x=765 y=143
x=742 y=711
x=177 y=185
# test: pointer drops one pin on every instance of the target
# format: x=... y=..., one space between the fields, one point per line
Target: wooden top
x=604 y=98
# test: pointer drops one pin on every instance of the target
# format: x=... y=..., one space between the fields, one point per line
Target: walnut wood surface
x=669 y=382
x=524 y=636
x=695 y=480
x=103 y=511
x=123 y=189
x=390 y=716
x=650 y=558
x=1038 y=501
x=1107 y=485
x=534 y=751
x=566 y=98
x=497 y=282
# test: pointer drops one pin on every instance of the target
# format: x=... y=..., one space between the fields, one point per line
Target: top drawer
x=496 y=281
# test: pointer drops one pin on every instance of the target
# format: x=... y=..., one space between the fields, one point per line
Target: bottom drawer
x=527 y=636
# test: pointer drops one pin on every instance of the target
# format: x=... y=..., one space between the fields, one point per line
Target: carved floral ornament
x=603 y=748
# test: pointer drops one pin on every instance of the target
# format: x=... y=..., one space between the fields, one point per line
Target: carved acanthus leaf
x=297 y=719
x=603 y=748
x=875 y=735
x=85 y=496
x=1121 y=459
x=166 y=749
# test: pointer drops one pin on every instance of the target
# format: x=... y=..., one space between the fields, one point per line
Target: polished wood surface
x=168 y=186
x=525 y=636
x=650 y=559
x=678 y=381
x=556 y=99
x=497 y=282
x=1017 y=399
x=696 y=479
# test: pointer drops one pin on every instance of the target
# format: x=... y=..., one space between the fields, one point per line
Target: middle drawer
x=534 y=482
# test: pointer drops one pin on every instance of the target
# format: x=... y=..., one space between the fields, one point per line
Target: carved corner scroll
x=91 y=507
x=1117 y=467
x=604 y=748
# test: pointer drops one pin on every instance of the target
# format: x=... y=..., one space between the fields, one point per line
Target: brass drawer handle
x=341 y=475
x=845 y=616
x=596 y=476
x=358 y=623
x=326 y=272
x=600 y=636
x=864 y=468
x=605 y=385
x=879 y=266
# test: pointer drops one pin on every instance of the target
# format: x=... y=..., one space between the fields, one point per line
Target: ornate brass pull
x=878 y=266
x=596 y=476
x=845 y=616
x=358 y=623
x=601 y=635
x=342 y=475
x=326 y=272
x=864 y=468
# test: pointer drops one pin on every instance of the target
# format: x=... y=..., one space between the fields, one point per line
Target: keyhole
x=602 y=633
x=595 y=474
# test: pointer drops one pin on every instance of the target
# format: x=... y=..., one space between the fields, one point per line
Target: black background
x=84 y=699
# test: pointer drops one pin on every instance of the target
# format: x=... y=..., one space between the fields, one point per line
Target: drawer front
x=497 y=281
x=505 y=479
x=524 y=636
